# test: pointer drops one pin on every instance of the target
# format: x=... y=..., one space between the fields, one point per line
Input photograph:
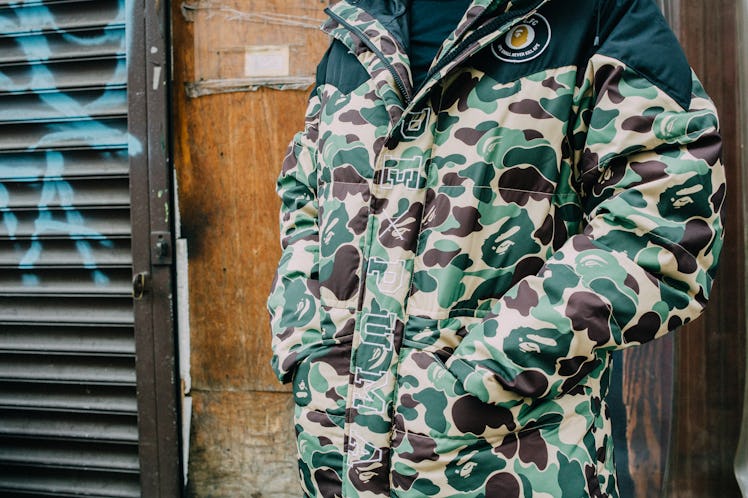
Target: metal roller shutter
x=68 y=405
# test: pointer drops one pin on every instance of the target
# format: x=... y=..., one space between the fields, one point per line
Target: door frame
x=152 y=218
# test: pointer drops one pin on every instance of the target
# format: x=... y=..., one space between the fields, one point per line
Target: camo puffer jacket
x=460 y=259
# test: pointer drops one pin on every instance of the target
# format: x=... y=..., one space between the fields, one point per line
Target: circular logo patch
x=525 y=41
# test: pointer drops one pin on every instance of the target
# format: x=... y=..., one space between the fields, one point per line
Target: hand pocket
x=320 y=381
x=432 y=401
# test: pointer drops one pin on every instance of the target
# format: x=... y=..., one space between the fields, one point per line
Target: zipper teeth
x=373 y=48
x=479 y=33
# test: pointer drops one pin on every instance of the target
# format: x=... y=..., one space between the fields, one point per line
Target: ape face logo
x=520 y=37
x=525 y=41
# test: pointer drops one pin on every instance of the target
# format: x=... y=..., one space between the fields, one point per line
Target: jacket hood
x=392 y=13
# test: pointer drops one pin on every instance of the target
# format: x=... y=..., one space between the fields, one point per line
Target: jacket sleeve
x=294 y=297
x=652 y=190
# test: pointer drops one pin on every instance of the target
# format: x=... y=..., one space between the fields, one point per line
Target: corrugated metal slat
x=115 y=282
x=59 y=17
x=65 y=253
x=68 y=401
x=92 y=224
x=63 y=165
x=26 y=108
x=69 y=397
x=45 y=367
x=81 y=3
x=122 y=457
x=65 y=75
x=65 y=193
x=71 y=311
x=79 y=135
x=29 y=482
x=69 y=426
x=59 y=338
x=78 y=45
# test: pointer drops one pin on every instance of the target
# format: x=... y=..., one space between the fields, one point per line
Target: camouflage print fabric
x=460 y=260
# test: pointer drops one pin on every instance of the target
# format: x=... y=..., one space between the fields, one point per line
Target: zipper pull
x=597 y=23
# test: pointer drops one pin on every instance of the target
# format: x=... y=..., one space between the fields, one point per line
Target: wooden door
x=230 y=138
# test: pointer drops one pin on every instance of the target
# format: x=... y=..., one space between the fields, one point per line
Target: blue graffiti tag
x=89 y=117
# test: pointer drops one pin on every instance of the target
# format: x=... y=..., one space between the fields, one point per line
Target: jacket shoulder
x=340 y=68
x=636 y=33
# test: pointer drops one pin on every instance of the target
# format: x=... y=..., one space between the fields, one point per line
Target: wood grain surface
x=245 y=448
x=711 y=354
x=228 y=152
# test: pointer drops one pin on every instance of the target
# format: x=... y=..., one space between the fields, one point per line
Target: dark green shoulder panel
x=341 y=69
x=636 y=33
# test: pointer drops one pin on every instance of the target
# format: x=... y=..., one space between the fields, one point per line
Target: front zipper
x=461 y=49
x=398 y=80
x=458 y=51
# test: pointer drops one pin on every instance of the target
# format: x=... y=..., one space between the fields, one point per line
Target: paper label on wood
x=241 y=45
x=267 y=61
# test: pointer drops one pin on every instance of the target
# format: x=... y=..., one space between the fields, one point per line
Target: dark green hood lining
x=629 y=30
x=391 y=13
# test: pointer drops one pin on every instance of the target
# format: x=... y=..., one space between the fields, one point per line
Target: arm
x=652 y=190
x=294 y=297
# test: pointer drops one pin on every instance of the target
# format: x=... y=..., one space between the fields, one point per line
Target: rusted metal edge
x=159 y=417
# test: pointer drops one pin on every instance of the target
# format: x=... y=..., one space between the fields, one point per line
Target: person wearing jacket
x=470 y=230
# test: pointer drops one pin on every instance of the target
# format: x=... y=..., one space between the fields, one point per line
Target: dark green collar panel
x=341 y=69
x=554 y=37
x=430 y=23
x=391 y=13
x=631 y=31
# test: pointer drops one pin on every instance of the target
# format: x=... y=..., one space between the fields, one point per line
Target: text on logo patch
x=525 y=41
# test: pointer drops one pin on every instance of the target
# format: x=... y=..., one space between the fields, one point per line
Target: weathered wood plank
x=648 y=394
x=228 y=151
x=242 y=445
x=711 y=355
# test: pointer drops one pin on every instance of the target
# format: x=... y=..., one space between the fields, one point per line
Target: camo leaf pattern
x=458 y=264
